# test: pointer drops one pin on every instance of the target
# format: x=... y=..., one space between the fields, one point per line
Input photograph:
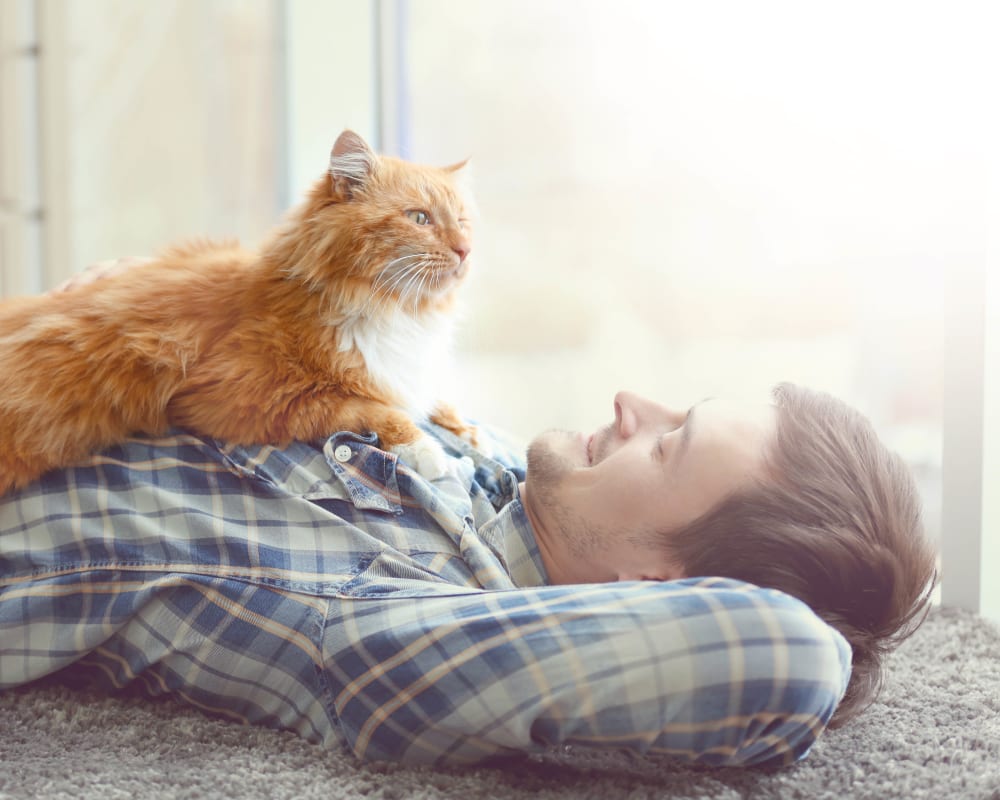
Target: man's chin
x=552 y=455
x=566 y=445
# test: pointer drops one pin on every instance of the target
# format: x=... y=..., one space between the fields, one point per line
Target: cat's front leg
x=399 y=435
x=319 y=415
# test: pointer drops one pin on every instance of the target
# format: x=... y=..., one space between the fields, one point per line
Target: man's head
x=599 y=502
x=796 y=494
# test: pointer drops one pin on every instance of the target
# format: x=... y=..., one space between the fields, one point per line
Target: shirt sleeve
x=710 y=671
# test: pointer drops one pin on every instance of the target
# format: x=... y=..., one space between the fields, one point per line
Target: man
x=328 y=589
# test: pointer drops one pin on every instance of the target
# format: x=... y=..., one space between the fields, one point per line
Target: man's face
x=594 y=498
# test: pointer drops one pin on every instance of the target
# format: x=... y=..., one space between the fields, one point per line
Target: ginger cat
x=333 y=325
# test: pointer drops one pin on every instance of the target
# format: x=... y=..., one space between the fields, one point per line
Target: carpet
x=934 y=733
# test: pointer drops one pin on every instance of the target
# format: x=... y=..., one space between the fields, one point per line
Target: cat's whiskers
x=418 y=293
x=405 y=282
x=382 y=287
x=388 y=273
x=424 y=283
x=391 y=279
x=388 y=288
x=406 y=275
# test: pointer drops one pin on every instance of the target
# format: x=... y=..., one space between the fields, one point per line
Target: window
x=690 y=199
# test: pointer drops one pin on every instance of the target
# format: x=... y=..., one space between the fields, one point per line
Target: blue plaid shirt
x=328 y=589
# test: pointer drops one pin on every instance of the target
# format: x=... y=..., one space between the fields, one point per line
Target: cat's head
x=384 y=233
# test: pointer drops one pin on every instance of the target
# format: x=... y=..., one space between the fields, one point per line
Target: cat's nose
x=462 y=249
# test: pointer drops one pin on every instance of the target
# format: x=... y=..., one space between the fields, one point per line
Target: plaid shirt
x=328 y=589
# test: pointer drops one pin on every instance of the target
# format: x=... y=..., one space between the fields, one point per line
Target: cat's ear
x=352 y=162
x=460 y=169
x=461 y=174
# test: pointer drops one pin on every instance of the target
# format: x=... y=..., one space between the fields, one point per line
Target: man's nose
x=632 y=411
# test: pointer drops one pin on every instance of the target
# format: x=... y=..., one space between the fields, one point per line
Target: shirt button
x=343 y=453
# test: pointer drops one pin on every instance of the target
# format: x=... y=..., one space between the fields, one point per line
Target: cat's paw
x=446 y=416
x=425 y=456
x=471 y=434
x=486 y=445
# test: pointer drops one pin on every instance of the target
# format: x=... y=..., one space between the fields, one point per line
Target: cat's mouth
x=446 y=277
x=415 y=277
x=461 y=270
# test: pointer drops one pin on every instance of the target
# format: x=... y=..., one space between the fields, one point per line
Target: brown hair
x=836 y=524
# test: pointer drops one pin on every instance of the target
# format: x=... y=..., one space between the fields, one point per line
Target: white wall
x=331 y=83
x=20 y=200
x=971 y=491
x=158 y=122
x=989 y=567
x=707 y=198
x=970 y=531
x=696 y=175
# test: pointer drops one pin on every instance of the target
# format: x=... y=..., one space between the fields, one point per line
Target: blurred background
x=684 y=199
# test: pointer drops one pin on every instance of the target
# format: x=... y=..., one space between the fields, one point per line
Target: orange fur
x=242 y=346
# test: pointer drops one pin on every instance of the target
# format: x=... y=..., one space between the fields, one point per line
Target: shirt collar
x=511 y=537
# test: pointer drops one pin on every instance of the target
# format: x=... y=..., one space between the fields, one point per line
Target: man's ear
x=352 y=163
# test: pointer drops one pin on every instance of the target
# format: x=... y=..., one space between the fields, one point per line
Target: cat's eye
x=419 y=217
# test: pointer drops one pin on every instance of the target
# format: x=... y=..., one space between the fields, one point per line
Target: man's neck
x=548 y=549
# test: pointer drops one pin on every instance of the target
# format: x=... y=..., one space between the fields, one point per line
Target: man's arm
x=705 y=670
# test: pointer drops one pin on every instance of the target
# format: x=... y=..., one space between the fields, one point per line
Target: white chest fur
x=408 y=357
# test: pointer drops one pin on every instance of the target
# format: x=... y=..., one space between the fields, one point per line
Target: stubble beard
x=547 y=470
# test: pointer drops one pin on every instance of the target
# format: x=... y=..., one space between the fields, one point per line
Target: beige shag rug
x=935 y=733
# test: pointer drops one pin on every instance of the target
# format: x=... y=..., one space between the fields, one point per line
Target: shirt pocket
x=391 y=573
x=346 y=467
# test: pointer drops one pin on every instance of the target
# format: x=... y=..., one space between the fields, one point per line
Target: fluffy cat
x=333 y=325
